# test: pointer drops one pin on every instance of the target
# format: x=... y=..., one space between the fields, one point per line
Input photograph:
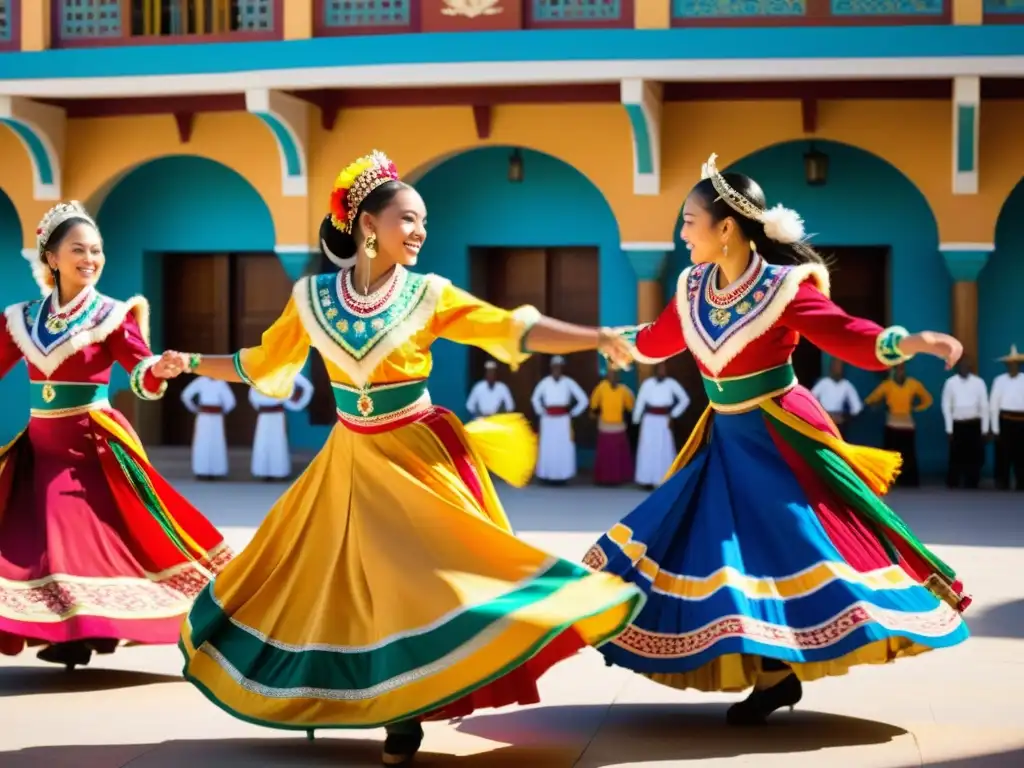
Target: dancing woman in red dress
x=95 y=546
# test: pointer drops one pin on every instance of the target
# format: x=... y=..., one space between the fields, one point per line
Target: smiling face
x=704 y=238
x=78 y=257
x=400 y=227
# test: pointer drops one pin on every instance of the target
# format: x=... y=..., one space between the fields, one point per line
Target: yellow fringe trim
x=507 y=446
x=694 y=443
x=877 y=468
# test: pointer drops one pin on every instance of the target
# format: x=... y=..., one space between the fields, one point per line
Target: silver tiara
x=57 y=216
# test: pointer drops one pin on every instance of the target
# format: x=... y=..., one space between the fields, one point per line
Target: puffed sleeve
x=657 y=341
x=129 y=345
x=854 y=340
x=465 y=319
x=272 y=367
x=9 y=352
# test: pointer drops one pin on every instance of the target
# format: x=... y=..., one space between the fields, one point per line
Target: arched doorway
x=197 y=240
x=549 y=239
x=882 y=237
x=16 y=286
x=1000 y=310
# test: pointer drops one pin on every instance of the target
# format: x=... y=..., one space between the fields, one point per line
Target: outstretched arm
x=271 y=367
x=512 y=336
x=857 y=341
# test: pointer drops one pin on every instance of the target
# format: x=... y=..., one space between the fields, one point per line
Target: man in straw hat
x=1006 y=405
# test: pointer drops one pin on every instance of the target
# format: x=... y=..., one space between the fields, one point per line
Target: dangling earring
x=370 y=246
x=725 y=251
x=753 y=248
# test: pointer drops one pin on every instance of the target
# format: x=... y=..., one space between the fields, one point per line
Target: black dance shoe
x=755 y=709
x=71 y=655
x=401 y=748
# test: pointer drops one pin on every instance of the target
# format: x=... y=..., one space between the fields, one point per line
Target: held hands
x=615 y=348
x=940 y=345
x=170 y=365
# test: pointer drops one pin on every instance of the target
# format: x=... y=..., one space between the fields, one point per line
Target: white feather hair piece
x=781 y=224
x=337 y=260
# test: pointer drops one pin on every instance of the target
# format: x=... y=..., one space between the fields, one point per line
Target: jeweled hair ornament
x=52 y=219
x=781 y=224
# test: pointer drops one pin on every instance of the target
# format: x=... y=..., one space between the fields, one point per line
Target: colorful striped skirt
x=770 y=540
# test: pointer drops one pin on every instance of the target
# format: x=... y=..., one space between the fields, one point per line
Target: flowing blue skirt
x=746 y=554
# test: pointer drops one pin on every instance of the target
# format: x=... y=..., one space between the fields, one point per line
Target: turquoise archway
x=471 y=203
x=1000 y=309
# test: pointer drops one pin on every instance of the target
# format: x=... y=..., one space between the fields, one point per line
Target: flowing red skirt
x=94 y=543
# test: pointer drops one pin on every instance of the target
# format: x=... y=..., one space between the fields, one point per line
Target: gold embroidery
x=744 y=307
x=49 y=393
x=719 y=317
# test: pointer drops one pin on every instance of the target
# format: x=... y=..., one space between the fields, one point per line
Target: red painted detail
x=810 y=89
x=482 y=115
x=1003 y=18
x=185 y=122
x=14 y=22
x=466 y=97
x=809 y=114
x=150 y=105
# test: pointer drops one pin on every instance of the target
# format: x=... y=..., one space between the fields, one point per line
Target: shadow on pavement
x=269 y=753
x=1002 y=620
x=28 y=681
x=670 y=732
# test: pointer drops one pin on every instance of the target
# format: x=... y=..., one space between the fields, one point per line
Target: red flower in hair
x=339 y=209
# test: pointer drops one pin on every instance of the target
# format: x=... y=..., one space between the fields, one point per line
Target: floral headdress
x=783 y=225
x=354 y=183
x=50 y=221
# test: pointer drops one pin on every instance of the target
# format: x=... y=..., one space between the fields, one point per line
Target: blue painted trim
x=523 y=45
x=965 y=266
x=965 y=138
x=40 y=157
x=648 y=265
x=285 y=142
x=641 y=138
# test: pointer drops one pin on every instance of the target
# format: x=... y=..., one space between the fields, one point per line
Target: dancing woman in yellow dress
x=386 y=584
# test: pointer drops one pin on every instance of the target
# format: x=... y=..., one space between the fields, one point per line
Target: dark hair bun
x=337 y=247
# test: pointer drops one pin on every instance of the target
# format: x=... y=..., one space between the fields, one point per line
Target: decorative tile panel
x=888 y=7
x=367 y=13
x=255 y=15
x=5 y=20
x=716 y=9
x=577 y=10
x=90 y=19
x=1015 y=7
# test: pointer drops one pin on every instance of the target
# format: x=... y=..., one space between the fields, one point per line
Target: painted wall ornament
x=471 y=9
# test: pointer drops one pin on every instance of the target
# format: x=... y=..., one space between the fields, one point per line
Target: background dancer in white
x=271 y=457
x=210 y=400
x=490 y=396
x=552 y=401
x=661 y=400
x=838 y=396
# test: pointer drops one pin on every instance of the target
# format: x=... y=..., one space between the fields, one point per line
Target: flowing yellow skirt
x=386 y=584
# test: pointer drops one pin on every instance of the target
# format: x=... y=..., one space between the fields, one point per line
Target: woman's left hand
x=940 y=345
x=618 y=351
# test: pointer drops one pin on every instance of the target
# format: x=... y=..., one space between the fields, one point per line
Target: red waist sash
x=556 y=410
x=649 y=411
x=212 y=409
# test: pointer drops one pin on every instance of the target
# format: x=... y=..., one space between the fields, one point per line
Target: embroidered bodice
x=81 y=341
x=382 y=338
x=755 y=323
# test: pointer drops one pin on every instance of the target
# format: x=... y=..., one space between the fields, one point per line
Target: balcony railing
x=10 y=25
x=89 y=23
x=796 y=13
x=368 y=17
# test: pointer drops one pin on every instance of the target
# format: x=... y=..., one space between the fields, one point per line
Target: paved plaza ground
x=959 y=708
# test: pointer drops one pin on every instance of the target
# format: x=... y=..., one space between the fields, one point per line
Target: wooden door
x=196 y=318
x=510 y=278
x=573 y=296
x=260 y=292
